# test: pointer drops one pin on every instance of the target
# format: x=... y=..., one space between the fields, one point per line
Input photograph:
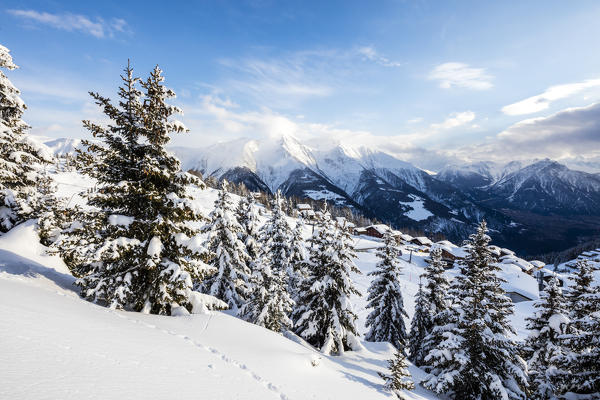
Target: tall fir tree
x=26 y=191
x=581 y=289
x=437 y=284
x=228 y=254
x=419 y=328
x=582 y=342
x=324 y=315
x=435 y=304
x=297 y=271
x=474 y=357
x=543 y=346
x=247 y=216
x=133 y=248
x=269 y=303
x=386 y=320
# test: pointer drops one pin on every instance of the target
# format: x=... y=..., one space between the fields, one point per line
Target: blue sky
x=467 y=79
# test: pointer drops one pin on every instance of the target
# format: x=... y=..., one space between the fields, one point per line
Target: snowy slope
x=76 y=349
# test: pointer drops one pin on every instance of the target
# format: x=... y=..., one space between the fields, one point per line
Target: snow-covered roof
x=451 y=248
x=518 y=281
x=423 y=240
x=303 y=206
x=405 y=237
x=519 y=262
x=381 y=228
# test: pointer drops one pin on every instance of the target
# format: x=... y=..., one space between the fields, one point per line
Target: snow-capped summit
x=548 y=186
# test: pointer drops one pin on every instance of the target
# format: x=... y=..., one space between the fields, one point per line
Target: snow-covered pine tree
x=297 y=271
x=275 y=237
x=324 y=315
x=133 y=247
x=269 y=303
x=228 y=255
x=386 y=320
x=11 y=104
x=399 y=377
x=543 y=346
x=437 y=284
x=583 y=341
x=25 y=190
x=581 y=288
x=419 y=328
x=474 y=358
x=247 y=216
x=435 y=303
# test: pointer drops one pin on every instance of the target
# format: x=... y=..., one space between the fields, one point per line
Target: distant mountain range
x=533 y=207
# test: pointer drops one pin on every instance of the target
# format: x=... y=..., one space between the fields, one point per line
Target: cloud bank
x=568 y=134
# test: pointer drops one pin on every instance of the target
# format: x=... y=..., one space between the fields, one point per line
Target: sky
x=432 y=82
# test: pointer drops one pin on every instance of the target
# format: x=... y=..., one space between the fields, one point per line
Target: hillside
x=75 y=348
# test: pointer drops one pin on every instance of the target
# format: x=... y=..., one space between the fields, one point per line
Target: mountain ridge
x=520 y=199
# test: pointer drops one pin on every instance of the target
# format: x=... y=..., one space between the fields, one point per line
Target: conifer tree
x=437 y=284
x=297 y=271
x=543 y=346
x=25 y=190
x=435 y=303
x=386 y=320
x=419 y=328
x=324 y=315
x=399 y=377
x=228 y=255
x=275 y=237
x=269 y=302
x=133 y=249
x=582 y=342
x=581 y=288
x=474 y=357
x=247 y=215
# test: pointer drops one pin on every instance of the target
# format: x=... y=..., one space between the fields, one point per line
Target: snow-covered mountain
x=381 y=186
x=63 y=146
x=542 y=186
x=370 y=181
x=556 y=207
x=548 y=187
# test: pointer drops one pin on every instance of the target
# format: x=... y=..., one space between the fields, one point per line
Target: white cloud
x=542 y=101
x=567 y=134
x=283 y=81
x=96 y=27
x=455 y=74
x=455 y=120
x=371 y=54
